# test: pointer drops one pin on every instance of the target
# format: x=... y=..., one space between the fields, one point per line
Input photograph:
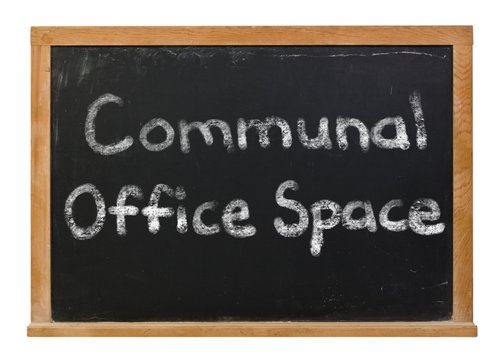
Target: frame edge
x=40 y=184
x=247 y=329
x=251 y=35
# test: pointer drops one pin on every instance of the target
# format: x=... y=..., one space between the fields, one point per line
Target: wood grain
x=444 y=328
x=254 y=35
x=40 y=184
x=462 y=184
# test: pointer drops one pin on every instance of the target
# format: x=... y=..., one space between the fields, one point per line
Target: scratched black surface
x=359 y=276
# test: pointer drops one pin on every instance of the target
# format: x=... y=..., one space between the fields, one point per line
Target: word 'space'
x=237 y=211
x=262 y=127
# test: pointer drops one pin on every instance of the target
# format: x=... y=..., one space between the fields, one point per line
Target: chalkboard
x=251 y=183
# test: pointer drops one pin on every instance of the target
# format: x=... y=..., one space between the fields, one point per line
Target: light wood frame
x=460 y=37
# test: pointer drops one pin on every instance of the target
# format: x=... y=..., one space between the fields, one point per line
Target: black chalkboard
x=171 y=271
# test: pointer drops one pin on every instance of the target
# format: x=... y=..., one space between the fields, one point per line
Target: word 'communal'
x=322 y=140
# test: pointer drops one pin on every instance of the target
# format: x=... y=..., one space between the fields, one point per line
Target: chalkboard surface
x=251 y=183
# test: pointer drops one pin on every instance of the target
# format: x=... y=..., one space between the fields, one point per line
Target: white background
x=17 y=17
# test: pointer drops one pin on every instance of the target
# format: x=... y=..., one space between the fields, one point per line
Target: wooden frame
x=460 y=37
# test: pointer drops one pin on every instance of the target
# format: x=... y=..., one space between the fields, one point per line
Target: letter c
x=90 y=128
